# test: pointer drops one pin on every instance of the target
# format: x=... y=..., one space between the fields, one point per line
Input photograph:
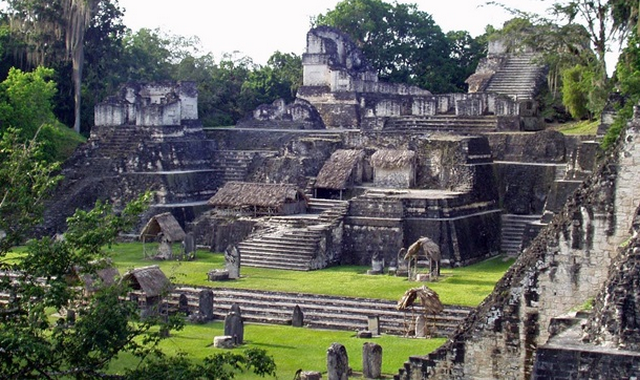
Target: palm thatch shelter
x=102 y=274
x=428 y=249
x=148 y=286
x=427 y=300
x=394 y=168
x=344 y=169
x=251 y=198
x=165 y=228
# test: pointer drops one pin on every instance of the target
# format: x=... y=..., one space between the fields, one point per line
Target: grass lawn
x=584 y=127
x=292 y=348
x=466 y=286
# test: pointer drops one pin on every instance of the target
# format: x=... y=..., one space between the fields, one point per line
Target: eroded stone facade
x=565 y=266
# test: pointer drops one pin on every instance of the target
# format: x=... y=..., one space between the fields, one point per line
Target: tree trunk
x=78 y=64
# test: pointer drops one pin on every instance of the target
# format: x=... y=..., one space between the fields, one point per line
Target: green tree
x=280 y=78
x=222 y=366
x=41 y=24
x=37 y=344
x=25 y=181
x=466 y=52
x=575 y=91
x=101 y=77
x=26 y=105
x=402 y=42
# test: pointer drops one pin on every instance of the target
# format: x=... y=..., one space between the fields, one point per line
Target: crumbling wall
x=563 y=268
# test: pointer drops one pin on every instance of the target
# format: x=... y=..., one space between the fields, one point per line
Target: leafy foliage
x=26 y=104
x=404 y=43
x=220 y=366
x=25 y=180
x=575 y=91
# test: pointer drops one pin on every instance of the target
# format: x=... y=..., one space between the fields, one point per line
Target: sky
x=257 y=28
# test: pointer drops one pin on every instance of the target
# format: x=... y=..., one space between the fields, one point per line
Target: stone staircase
x=287 y=249
x=442 y=123
x=320 y=311
x=519 y=78
x=320 y=205
x=291 y=242
x=513 y=227
x=233 y=165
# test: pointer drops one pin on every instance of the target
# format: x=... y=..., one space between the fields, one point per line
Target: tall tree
x=596 y=16
x=78 y=15
x=402 y=42
x=53 y=31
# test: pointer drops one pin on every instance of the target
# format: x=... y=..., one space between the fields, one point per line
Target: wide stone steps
x=320 y=311
x=518 y=78
x=319 y=205
x=512 y=231
x=442 y=123
x=233 y=165
x=292 y=243
x=291 y=249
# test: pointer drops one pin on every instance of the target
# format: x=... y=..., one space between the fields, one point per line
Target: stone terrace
x=320 y=311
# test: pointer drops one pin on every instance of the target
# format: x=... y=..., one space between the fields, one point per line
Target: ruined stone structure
x=339 y=82
x=588 y=250
x=383 y=164
x=147 y=137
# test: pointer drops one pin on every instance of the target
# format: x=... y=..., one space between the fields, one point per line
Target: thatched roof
x=424 y=246
x=150 y=280
x=426 y=297
x=164 y=223
x=104 y=276
x=392 y=158
x=238 y=194
x=337 y=170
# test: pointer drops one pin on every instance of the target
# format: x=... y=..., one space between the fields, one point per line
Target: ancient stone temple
x=354 y=169
x=534 y=324
x=147 y=137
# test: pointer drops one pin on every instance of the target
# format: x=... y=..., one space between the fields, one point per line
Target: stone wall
x=568 y=363
x=564 y=267
x=149 y=104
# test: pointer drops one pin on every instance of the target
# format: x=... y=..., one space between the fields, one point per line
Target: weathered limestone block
x=223 y=342
x=234 y=327
x=298 y=317
x=337 y=362
x=205 y=304
x=371 y=360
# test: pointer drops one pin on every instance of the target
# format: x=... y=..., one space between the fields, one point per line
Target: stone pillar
x=183 y=304
x=371 y=360
x=374 y=324
x=298 y=317
x=337 y=362
x=232 y=260
x=189 y=246
x=205 y=304
x=421 y=326
x=234 y=327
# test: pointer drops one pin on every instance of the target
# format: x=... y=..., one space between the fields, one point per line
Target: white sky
x=257 y=28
